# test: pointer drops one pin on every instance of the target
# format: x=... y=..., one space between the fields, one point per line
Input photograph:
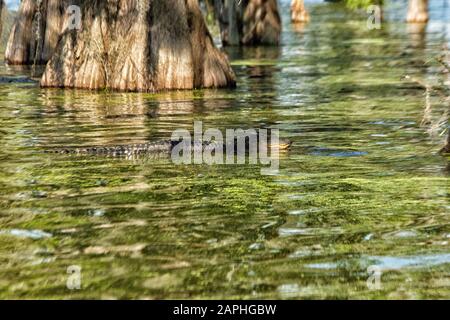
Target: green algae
x=362 y=182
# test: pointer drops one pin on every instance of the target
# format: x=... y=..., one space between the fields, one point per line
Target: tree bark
x=36 y=31
x=1 y=16
x=139 y=45
x=298 y=12
x=249 y=22
x=21 y=45
x=417 y=11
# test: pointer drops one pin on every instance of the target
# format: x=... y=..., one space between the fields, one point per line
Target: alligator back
x=161 y=147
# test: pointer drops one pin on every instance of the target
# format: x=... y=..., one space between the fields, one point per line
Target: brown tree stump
x=417 y=11
x=298 y=12
x=2 y=4
x=36 y=31
x=139 y=45
x=249 y=22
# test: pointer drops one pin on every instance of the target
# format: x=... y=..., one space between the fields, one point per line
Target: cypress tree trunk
x=21 y=45
x=36 y=31
x=229 y=13
x=249 y=22
x=139 y=45
x=417 y=11
x=298 y=11
x=1 y=16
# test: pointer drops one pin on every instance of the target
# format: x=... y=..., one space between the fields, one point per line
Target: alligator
x=163 y=147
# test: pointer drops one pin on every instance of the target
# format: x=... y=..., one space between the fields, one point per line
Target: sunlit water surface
x=362 y=186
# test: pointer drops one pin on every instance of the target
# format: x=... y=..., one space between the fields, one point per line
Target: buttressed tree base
x=298 y=12
x=139 y=45
x=36 y=31
x=417 y=11
x=1 y=15
x=249 y=22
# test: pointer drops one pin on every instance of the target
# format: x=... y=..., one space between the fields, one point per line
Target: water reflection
x=417 y=34
x=122 y=118
x=362 y=184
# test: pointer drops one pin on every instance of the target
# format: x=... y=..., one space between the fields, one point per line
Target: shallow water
x=362 y=186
